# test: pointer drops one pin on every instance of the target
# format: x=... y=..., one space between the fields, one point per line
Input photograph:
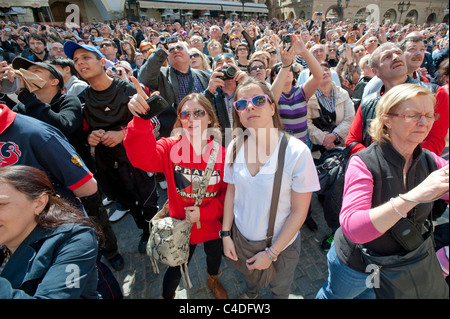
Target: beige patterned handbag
x=169 y=237
x=169 y=243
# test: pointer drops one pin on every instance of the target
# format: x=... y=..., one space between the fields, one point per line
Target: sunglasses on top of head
x=257 y=101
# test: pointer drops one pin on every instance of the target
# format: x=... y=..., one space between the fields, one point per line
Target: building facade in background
x=48 y=11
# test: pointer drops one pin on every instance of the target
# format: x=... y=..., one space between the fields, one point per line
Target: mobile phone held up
x=157 y=105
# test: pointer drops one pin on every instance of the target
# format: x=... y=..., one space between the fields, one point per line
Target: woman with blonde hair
x=388 y=197
x=183 y=159
x=214 y=48
x=250 y=168
x=198 y=60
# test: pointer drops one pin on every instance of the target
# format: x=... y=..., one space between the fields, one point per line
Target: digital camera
x=228 y=73
x=287 y=38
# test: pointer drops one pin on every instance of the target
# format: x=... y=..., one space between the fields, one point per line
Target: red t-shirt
x=176 y=158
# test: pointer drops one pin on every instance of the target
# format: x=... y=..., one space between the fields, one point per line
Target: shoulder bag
x=246 y=249
x=169 y=237
x=416 y=274
x=331 y=168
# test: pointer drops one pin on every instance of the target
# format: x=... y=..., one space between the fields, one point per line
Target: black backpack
x=331 y=168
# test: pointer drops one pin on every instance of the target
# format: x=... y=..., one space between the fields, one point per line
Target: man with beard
x=38 y=48
x=388 y=63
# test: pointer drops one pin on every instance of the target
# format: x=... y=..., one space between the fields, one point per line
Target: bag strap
x=348 y=149
x=208 y=172
x=276 y=189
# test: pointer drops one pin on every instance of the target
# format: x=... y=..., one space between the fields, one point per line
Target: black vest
x=386 y=167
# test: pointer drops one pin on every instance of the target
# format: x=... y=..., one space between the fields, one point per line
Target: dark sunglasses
x=105 y=45
x=185 y=115
x=177 y=47
x=257 y=67
x=194 y=55
x=223 y=56
x=257 y=101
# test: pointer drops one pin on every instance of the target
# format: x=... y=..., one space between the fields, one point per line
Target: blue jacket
x=53 y=264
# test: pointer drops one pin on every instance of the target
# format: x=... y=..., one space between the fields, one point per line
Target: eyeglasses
x=177 y=47
x=194 y=55
x=430 y=117
x=185 y=115
x=222 y=56
x=105 y=45
x=273 y=52
x=332 y=50
x=257 y=101
x=235 y=38
x=257 y=67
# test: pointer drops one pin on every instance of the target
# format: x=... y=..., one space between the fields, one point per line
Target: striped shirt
x=328 y=103
x=292 y=108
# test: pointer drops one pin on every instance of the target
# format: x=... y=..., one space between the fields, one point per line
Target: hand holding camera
x=165 y=41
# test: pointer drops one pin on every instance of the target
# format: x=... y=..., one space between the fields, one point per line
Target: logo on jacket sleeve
x=9 y=153
x=76 y=160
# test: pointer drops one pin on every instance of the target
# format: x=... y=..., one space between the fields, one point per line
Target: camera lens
x=228 y=73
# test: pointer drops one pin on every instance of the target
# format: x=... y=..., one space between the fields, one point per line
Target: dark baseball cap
x=22 y=63
x=70 y=47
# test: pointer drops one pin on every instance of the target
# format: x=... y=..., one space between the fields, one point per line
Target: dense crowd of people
x=73 y=101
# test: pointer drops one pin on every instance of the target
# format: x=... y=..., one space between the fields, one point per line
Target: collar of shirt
x=179 y=73
x=327 y=103
x=7 y=117
x=319 y=93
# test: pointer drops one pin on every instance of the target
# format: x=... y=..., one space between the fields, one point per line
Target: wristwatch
x=224 y=233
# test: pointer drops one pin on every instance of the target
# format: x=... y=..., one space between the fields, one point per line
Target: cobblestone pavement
x=138 y=280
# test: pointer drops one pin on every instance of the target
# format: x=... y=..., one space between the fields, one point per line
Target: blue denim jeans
x=344 y=282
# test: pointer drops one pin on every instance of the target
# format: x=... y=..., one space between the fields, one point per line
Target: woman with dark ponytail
x=48 y=247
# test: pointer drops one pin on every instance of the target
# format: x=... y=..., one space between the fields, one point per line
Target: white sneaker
x=106 y=201
x=117 y=215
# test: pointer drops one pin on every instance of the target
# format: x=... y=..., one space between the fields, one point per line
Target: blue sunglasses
x=257 y=101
